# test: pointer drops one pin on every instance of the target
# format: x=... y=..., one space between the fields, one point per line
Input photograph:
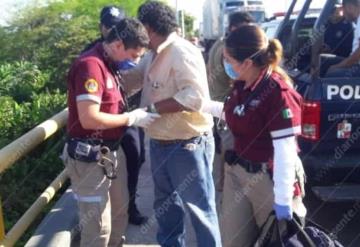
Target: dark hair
x=111 y=15
x=239 y=18
x=250 y=41
x=131 y=32
x=158 y=16
x=353 y=2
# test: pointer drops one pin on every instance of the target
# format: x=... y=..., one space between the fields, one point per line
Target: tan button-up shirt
x=176 y=70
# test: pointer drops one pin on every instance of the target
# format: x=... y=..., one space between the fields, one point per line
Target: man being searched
x=349 y=67
x=97 y=119
x=132 y=141
x=173 y=76
x=220 y=85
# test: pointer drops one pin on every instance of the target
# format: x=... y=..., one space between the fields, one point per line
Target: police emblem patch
x=254 y=103
x=92 y=86
x=114 y=12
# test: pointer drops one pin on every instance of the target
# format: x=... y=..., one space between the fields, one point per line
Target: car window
x=270 y=30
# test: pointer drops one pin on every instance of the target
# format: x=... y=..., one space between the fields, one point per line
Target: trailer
x=216 y=14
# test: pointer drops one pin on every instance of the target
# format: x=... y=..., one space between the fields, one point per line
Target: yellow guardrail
x=21 y=146
x=15 y=151
x=2 y=227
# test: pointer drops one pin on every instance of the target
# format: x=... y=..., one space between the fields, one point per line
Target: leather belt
x=232 y=158
x=177 y=141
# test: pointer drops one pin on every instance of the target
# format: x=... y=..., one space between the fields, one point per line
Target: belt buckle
x=249 y=166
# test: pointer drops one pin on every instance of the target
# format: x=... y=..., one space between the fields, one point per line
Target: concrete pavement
x=145 y=235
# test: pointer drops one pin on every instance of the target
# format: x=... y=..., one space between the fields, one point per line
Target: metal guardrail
x=2 y=227
x=15 y=151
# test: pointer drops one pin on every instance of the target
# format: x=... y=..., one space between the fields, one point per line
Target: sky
x=8 y=7
x=193 y=7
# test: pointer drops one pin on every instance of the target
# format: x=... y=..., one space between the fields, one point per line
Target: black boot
x=135 y=217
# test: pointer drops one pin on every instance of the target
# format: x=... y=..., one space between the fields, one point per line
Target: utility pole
x=177 y=12
x=183 y=23
x=180 y=18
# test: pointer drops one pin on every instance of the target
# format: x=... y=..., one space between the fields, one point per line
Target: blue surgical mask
x=230 y=71
x=125 y=65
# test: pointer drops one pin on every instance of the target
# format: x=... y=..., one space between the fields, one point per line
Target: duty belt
x=113 y=145
x=232 y=159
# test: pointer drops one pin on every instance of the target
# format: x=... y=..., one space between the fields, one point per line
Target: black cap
x=111 y=15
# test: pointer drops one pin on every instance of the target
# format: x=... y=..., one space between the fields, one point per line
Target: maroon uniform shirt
x=273 y=113
x=90 y=78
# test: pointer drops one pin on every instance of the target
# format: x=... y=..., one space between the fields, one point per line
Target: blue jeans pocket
x=192 y=144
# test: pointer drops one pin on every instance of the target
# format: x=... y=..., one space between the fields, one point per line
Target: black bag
x=283 y=233
x=320 y=236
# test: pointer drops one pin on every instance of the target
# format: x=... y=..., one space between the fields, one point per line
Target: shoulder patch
x=287 y=113
x=92 y=86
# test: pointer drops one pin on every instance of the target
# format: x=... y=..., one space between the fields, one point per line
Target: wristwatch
x=151 y=108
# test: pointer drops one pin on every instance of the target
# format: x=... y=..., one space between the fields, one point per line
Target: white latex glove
x=215 y=108
x=141 y=118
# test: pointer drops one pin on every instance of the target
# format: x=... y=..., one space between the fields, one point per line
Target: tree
x=189 y=25
x=51 y=36
x=37 y=49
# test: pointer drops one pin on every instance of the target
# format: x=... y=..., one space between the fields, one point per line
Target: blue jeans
x=182 y=174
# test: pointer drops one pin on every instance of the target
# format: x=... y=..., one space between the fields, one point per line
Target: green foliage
x=25 y=99
x=51 y=36
x=21 y=80
x=189 y=25
x=37 y=49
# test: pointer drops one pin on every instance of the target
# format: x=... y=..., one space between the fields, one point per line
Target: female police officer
x=264 y=114
x=94 y=160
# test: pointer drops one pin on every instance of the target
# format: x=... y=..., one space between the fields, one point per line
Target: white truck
x=216 y=14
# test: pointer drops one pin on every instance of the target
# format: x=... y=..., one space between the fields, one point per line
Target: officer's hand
x=141 y=118
x=283 y=212
x=215 y=108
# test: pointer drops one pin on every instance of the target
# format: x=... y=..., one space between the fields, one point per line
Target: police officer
x=349 y=67
x=132 y=140
x=219 y=81
x=219 y=86
x=109 y=17
x=263 y=112
x=338 y=39
x=339 y=33
x=97 y=120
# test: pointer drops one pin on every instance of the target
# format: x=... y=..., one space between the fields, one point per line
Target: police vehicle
x=330 y=141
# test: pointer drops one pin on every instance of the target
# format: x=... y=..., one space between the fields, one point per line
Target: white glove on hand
x=215 y=108
x=141 y=118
